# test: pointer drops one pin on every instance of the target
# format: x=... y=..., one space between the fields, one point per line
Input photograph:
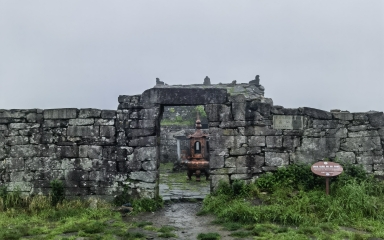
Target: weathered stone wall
x=77 y=146
x=97 y=152
x=168 y=142
x=246 y=144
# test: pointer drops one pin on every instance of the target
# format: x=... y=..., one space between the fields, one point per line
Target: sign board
x=327 y=169
x=288 y=122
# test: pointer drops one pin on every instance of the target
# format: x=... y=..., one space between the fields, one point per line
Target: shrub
x=57 y=192
x=296 y=176
x=147 y=204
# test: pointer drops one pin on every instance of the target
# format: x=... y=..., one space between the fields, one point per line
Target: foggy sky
x=326 y=54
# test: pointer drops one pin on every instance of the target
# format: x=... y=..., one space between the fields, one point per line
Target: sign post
x=327 y=170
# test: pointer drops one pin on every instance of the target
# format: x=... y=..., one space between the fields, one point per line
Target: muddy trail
x=181 y=216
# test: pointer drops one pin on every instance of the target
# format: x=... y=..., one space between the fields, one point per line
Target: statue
x=207 y=81
x=256 y=81
x=158 y=82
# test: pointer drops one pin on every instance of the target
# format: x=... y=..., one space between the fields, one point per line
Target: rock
x=108 y=114
x=361 y=144
x=343 y=116
x=256 y=141
x=276 y=159
x=143 y=142
x=274 y=141
x=348 y=157
x=317 y=114
x=325 y=124
x=145 y=154
x=107 y=131
x=218 y=112
x=315 y=149
x=93 y=152
x=83 y=131
x=105 y=122
x=64 y=113
x=149 y=176
x=81 y=122
x=376 y=119
x=183 y=96
x=363 y=134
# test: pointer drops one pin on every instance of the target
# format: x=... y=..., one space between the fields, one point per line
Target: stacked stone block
x=76 y=146
x=245 y=143
x=99 y=152
x=138 y=125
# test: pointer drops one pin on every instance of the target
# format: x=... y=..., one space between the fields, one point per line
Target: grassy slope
x=291 y=205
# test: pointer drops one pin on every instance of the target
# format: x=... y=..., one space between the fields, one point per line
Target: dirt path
x=183 y=217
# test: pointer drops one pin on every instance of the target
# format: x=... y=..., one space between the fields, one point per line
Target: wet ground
x=182 y=216
x=175 y=186
x=179 y=212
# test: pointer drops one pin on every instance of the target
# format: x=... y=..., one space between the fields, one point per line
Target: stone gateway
x=101 y=152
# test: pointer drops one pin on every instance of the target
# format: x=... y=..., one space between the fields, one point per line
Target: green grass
x=232 y=226
x=36 y=218
x=168 y=177
x=208 y=236
x=167 y=235
x=143 y=224
x=296 y=207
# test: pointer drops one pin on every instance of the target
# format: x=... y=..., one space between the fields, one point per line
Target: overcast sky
x=326 y=54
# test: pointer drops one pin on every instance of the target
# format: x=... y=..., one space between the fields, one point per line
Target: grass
x=36 y=218
x=208 y=236
x=69 y=217
x=168 y=177
x=296 y=207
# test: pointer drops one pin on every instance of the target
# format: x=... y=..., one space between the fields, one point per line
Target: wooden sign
x=327 y=169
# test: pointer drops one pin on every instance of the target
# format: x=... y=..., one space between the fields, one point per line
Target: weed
x=200 y=109
x=165 y=229
x=241 y=234
x=143 y=224
x=57 y=192
x=167 y=235
x=147 y=204
x=232 y=226
x=208 y=236
x=355 y=201
x=133 y=235
x=123 y=197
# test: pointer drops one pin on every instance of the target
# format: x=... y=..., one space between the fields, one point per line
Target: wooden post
x=327 y=185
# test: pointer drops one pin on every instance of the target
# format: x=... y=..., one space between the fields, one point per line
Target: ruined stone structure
x=98 y=152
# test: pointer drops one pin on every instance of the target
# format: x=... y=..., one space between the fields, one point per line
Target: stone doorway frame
x=159 y=98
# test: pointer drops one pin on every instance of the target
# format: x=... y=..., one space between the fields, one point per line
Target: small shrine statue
x=197 y=163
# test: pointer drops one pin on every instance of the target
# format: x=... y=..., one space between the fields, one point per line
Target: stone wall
x=77 y=146
x=247 y=145
x=88 y=149
x=98 y=152
x=168 y=142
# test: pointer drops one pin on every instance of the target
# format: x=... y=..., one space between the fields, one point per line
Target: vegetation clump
x=47 y=217
x=293 y=196
x=208 y=236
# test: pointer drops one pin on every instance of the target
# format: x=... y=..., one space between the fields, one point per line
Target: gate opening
x=177 y=125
